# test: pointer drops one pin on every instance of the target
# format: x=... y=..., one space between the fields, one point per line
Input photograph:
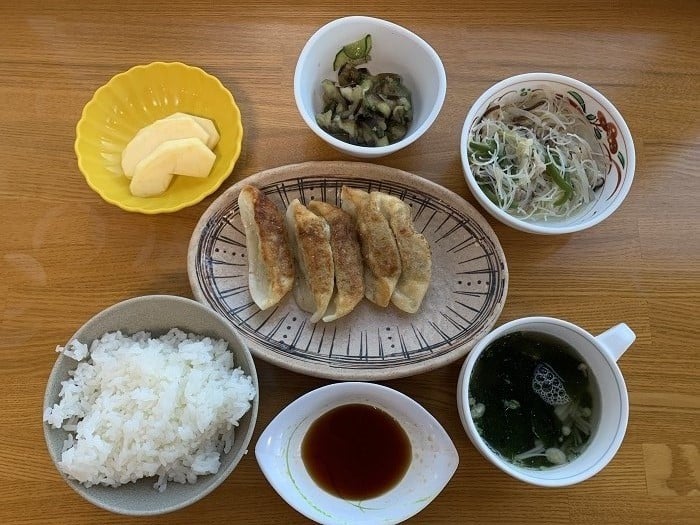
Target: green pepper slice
x=555 y=174
x=484 y=149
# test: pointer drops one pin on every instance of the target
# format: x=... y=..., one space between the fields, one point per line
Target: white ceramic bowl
x=600 y=354
x=590 y=102
x=394 y=50
x=157 y=314
x=278 y=452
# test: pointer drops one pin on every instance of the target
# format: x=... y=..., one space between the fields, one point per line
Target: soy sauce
x=356 y=451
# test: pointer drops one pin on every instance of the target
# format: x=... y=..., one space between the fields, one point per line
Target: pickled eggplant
x=361 y=108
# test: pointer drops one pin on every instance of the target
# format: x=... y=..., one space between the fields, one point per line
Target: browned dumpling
x=416 y=261
x=378 y=246
x=309 y=237
x=270 y=263
x=347 y=260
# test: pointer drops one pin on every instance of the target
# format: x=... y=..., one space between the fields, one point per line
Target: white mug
x=600 y=353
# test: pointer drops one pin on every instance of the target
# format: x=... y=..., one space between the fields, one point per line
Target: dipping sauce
x=531 y=400
x=356 y=451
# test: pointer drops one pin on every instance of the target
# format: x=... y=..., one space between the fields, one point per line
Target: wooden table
x=66 y=254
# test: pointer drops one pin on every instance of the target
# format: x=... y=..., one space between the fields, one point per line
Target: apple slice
x=207 y=124
x=153 y=174
x=152 y=136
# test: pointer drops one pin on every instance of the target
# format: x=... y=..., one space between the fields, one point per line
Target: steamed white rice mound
x=141 y=407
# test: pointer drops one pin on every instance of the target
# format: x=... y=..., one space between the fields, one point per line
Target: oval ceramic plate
x=466 y=295
x=434 y=457
x=137 y=97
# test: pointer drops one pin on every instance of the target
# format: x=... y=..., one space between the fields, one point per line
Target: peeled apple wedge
x=148 y=139
x=189 y=157
x=207 y=124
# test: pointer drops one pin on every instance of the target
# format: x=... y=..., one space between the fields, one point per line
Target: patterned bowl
x=136 y=98
x=609 y=128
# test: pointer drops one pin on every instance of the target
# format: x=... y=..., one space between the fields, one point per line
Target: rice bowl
x=142 y=407
x=156 y=314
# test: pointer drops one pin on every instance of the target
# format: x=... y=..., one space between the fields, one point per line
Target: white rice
x=141 y=407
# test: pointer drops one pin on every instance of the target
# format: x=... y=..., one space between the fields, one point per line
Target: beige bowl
x=157 y=314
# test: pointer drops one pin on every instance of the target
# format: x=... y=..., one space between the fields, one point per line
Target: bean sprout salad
x=535 y=156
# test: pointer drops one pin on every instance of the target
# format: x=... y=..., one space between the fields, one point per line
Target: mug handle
x=616 y=340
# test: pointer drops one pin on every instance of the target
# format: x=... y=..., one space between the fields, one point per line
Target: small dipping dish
x=280 y=453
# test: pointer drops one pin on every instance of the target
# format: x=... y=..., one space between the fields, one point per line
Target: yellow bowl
x=138 y=97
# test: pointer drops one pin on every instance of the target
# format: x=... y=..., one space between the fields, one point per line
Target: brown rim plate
x=466 y=295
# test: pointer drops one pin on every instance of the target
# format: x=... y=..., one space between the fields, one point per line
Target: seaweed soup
x=531 y=400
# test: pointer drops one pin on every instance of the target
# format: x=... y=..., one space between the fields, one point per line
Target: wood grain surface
x=66 y=254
